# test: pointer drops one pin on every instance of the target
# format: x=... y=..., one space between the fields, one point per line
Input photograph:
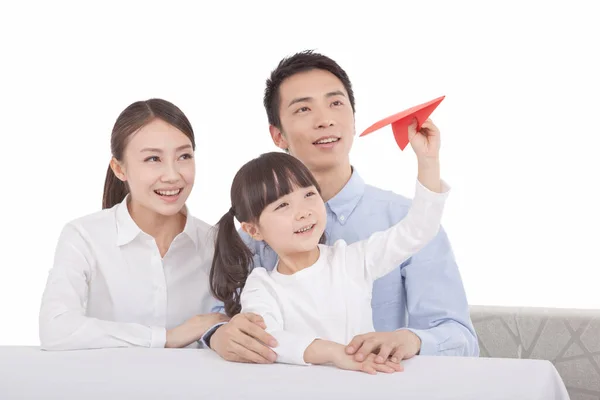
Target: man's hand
x=192 y=329
x=242 y=340
x=397 y=346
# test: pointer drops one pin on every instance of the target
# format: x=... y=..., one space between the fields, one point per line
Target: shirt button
x=342 y=218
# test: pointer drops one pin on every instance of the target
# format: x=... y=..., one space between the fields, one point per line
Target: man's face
x=317 y=120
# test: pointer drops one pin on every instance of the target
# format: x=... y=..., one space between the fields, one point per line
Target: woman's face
x=159 y=167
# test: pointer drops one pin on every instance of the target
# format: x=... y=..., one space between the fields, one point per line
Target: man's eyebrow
x=302 y=99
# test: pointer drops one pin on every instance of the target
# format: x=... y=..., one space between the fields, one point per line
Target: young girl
x=318 y=297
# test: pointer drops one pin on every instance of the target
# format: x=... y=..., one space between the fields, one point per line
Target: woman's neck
x=163 y=228
x=289 y=264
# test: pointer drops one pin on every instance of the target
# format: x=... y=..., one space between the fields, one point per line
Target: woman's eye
x=153 y=158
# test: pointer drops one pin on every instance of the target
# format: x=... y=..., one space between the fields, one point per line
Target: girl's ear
x=252 y=230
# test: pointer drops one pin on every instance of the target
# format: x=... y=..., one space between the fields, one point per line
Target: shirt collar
x=346 y=200
x=127 y=229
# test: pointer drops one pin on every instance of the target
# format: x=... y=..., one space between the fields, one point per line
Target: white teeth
x=330 y=140
x=305 y=229
x=168 y=192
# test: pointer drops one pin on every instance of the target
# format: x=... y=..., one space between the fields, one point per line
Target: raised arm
x=384 y=251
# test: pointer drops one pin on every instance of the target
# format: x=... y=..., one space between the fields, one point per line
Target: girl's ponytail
x=230 y=266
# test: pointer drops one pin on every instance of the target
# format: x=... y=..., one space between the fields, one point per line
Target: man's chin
x=329 y=163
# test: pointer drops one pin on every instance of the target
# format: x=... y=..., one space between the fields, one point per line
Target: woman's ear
x=118 y=169
x=252 y=230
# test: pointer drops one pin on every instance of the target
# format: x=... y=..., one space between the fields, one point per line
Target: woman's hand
x=193 y=329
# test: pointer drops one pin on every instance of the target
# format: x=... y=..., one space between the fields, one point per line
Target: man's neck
x=333 y=180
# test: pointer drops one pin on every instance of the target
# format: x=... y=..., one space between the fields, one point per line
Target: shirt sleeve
x=438 y=311
x=384 y=251
x=257 y=297
x=63 y=324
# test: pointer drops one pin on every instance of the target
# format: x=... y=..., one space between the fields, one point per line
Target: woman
x=136 y=272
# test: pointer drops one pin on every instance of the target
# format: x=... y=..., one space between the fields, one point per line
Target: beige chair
x=570 y=339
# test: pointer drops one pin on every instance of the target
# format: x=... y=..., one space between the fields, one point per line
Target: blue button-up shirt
x=425 y=294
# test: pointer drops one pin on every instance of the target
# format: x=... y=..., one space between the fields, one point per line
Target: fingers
x=251 y=329
x=368 y=368
x=240 y=353
x=239 y=337
x=256 y=319
x=256 y=347
x=369 y=346
x=371 y=367
x=400 y=354
x=384 y=353
x=428 y=128
x=395 y=366
x=412 y=129
x=383 y=368
x=355 y=344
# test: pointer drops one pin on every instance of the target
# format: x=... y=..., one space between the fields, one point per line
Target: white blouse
x=109 y=286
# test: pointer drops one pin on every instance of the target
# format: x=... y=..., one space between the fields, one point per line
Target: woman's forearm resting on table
x=69 y=331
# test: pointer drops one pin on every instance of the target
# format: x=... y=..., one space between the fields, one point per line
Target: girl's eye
x=187 y=156
x=310 y=194
x=281 y=206
x=153 y=158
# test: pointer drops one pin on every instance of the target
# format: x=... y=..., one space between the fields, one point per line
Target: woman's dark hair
x=257 y=184
x=132 y=119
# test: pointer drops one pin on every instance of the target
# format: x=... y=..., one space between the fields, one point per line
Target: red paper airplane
x=402 y=120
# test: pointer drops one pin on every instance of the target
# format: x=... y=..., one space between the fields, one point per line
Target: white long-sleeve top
x=109 y=286
x=331 y=299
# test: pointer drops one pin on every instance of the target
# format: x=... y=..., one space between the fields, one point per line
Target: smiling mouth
x=306 y=229
x=168 y=193
x=327 y=140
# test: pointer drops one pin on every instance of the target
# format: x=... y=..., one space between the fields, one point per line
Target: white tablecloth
x=30 y=373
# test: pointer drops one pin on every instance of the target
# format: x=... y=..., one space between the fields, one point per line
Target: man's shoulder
x=379 y=200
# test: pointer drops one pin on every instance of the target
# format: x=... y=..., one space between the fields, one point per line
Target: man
x=421 y=307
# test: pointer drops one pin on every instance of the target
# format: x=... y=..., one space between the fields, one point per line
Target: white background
x=519 y=122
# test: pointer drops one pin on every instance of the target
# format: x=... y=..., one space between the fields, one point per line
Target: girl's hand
x=425 y=142
x=368 y=365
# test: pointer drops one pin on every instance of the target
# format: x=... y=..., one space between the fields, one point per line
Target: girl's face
x=292 y=224
x=158 y=165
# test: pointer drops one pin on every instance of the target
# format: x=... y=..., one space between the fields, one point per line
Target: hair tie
x=231 y=211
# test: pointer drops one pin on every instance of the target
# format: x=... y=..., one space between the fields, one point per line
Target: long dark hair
x=132 y=119
x=257 y=184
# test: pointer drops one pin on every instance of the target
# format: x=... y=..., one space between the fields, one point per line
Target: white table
x=30 y=373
